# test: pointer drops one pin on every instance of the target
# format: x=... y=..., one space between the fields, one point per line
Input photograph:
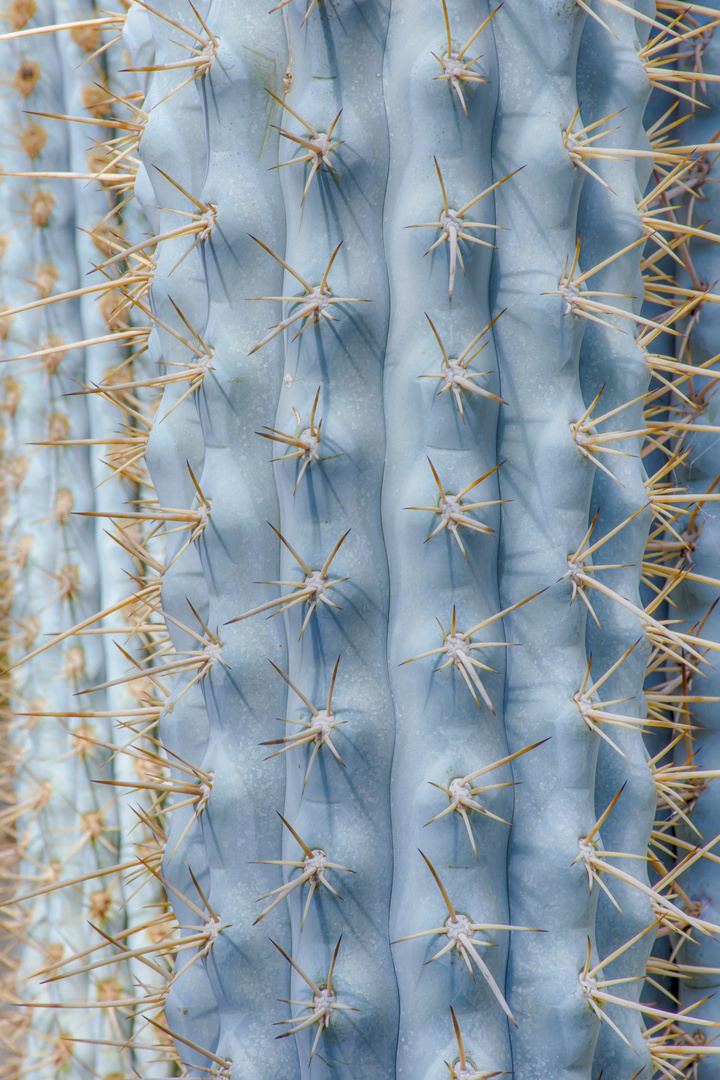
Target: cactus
x=69 y=824
x=382 y=342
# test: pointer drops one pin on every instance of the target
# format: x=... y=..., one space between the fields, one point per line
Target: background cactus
x=374 y=348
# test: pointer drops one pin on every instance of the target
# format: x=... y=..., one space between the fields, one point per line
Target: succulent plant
x=360 y=567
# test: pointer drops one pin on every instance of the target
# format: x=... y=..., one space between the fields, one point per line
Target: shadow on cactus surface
x=360 y=540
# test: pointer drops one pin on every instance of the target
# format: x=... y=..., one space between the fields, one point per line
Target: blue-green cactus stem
x=175 y=455
x=397 y=785
x=77 y=829
x=18 y=262
x=445 y=729
x=610 y=76
x=236 y=398
x=340 y=809
x=549 y=484
x=92 y=205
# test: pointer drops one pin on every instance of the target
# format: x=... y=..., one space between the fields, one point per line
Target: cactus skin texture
x=389 y=415
x=423 y=427
x=538 y=361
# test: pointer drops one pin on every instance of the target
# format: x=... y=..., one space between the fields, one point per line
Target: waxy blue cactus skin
x=384 y=456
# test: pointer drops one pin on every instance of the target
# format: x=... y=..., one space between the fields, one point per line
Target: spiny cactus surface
x=358 y=505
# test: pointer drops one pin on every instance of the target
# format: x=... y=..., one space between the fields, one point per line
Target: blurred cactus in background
x=360 y=553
